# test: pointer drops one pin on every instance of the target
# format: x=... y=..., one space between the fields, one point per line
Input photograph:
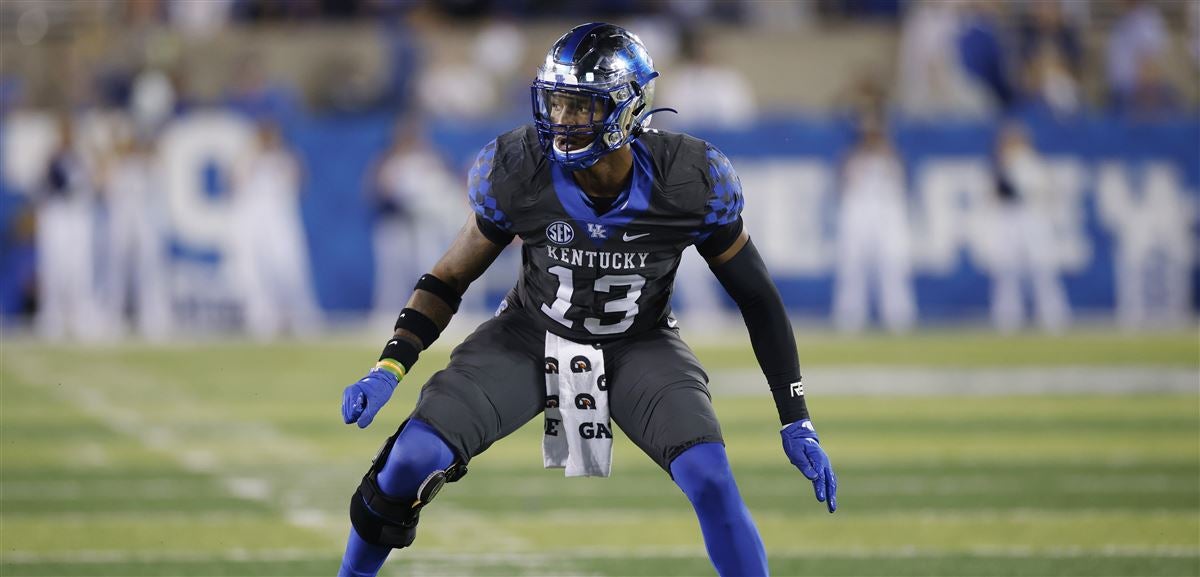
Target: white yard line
x=292 y=503
x=911 y=381
x=282 y=555
x=170 y=442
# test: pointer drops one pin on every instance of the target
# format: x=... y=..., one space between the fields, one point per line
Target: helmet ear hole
x=637 y=93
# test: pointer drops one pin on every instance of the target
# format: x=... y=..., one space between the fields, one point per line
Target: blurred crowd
x=973 y=59
x=965 y=58
x=99 y=277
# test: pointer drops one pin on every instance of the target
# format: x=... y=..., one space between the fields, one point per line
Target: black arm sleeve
x=746 y=280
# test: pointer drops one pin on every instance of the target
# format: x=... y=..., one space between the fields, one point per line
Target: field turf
x=230 y=459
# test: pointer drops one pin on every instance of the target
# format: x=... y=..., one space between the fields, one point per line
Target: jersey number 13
x=627 y=304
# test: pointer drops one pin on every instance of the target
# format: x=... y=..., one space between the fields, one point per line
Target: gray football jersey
x=594 y=277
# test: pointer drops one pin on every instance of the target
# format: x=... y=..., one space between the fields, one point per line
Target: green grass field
x=232 y=460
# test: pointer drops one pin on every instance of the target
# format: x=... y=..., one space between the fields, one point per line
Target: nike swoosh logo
x=628 y=237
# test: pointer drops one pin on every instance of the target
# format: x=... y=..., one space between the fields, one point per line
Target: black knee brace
x=391 y=521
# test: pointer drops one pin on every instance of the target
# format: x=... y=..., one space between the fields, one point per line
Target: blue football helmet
x=593 y=94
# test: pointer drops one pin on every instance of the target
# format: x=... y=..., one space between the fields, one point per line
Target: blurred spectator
x=777 y=15
x=18 y=256
x=983 y=53
x=152 y=102
x=200 y=19
x=274 y=10
x=455 y=91
x=1021 y=244
x=836 y=11
x=403 y=65
x=866 y=100
x=458 y=92
x=499 y=49
x=418 y=209
x=931 y=79
x=1049 y=84
x=1193 y=17
x=346 y=87
x=67 y=304
x=271 y=252
x=1137 y=43
x=10 y=92
x=706 y=93
x=135 y=277
x=1153 y=97
x=660 y=35
x=1051 y=58
x=254 y=94
x=142 y=13
x=873 y=236
x=1045 y=24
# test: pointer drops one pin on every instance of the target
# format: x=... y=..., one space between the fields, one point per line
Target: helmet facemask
x=579 y=125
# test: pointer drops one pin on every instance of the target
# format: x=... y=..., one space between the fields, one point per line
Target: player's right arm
x=740 y=269
x=435 y=299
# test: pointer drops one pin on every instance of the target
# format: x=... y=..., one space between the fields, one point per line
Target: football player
x=604 y=207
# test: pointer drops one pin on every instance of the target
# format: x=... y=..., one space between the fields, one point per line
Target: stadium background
x=206 y=445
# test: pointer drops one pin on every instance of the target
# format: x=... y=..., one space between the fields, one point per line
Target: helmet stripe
x=568 y=52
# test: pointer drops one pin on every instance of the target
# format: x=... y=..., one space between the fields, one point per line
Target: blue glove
x=362 y=400
x=800 y=442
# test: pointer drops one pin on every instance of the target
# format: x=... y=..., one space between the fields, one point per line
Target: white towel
x=578 y=432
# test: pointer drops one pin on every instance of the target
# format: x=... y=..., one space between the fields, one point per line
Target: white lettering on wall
x=953 y=197
x=188 y=148
x=1151 y=217
x=788 y=206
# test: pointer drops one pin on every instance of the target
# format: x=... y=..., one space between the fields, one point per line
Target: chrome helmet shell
x=593 y=94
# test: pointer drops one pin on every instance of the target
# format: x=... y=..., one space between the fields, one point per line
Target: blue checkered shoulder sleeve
x=724 y=196
x=480 y=192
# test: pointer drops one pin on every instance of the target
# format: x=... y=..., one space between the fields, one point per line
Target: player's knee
x=704 y=474
x=417 y=453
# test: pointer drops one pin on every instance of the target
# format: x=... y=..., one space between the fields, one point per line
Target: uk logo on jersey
x=597 y=231
x=560 y=232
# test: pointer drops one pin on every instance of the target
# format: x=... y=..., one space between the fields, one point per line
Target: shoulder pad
x=682 y=166
x=518 y=157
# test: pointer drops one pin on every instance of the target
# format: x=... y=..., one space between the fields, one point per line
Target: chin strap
x=637 y=126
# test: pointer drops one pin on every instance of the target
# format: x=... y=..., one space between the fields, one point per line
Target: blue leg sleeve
x=730 y=536
x=418 y=451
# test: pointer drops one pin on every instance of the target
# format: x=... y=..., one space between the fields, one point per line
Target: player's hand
x=801 y=444
x=362 y=400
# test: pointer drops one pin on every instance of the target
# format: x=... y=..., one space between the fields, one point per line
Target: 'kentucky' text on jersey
x=599 y=274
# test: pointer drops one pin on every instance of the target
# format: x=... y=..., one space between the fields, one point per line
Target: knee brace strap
x=381 y=520
x=390 y=521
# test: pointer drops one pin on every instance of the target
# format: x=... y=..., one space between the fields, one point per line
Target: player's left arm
x=735 y=261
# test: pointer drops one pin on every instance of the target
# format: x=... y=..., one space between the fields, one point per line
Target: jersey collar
x=632 y=202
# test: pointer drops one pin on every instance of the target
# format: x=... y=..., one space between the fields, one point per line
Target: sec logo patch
x=560 y=232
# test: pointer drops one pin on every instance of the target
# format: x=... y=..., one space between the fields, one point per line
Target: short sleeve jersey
x=591 y=277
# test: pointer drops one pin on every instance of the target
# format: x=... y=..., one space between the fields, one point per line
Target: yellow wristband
x=392 y=367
